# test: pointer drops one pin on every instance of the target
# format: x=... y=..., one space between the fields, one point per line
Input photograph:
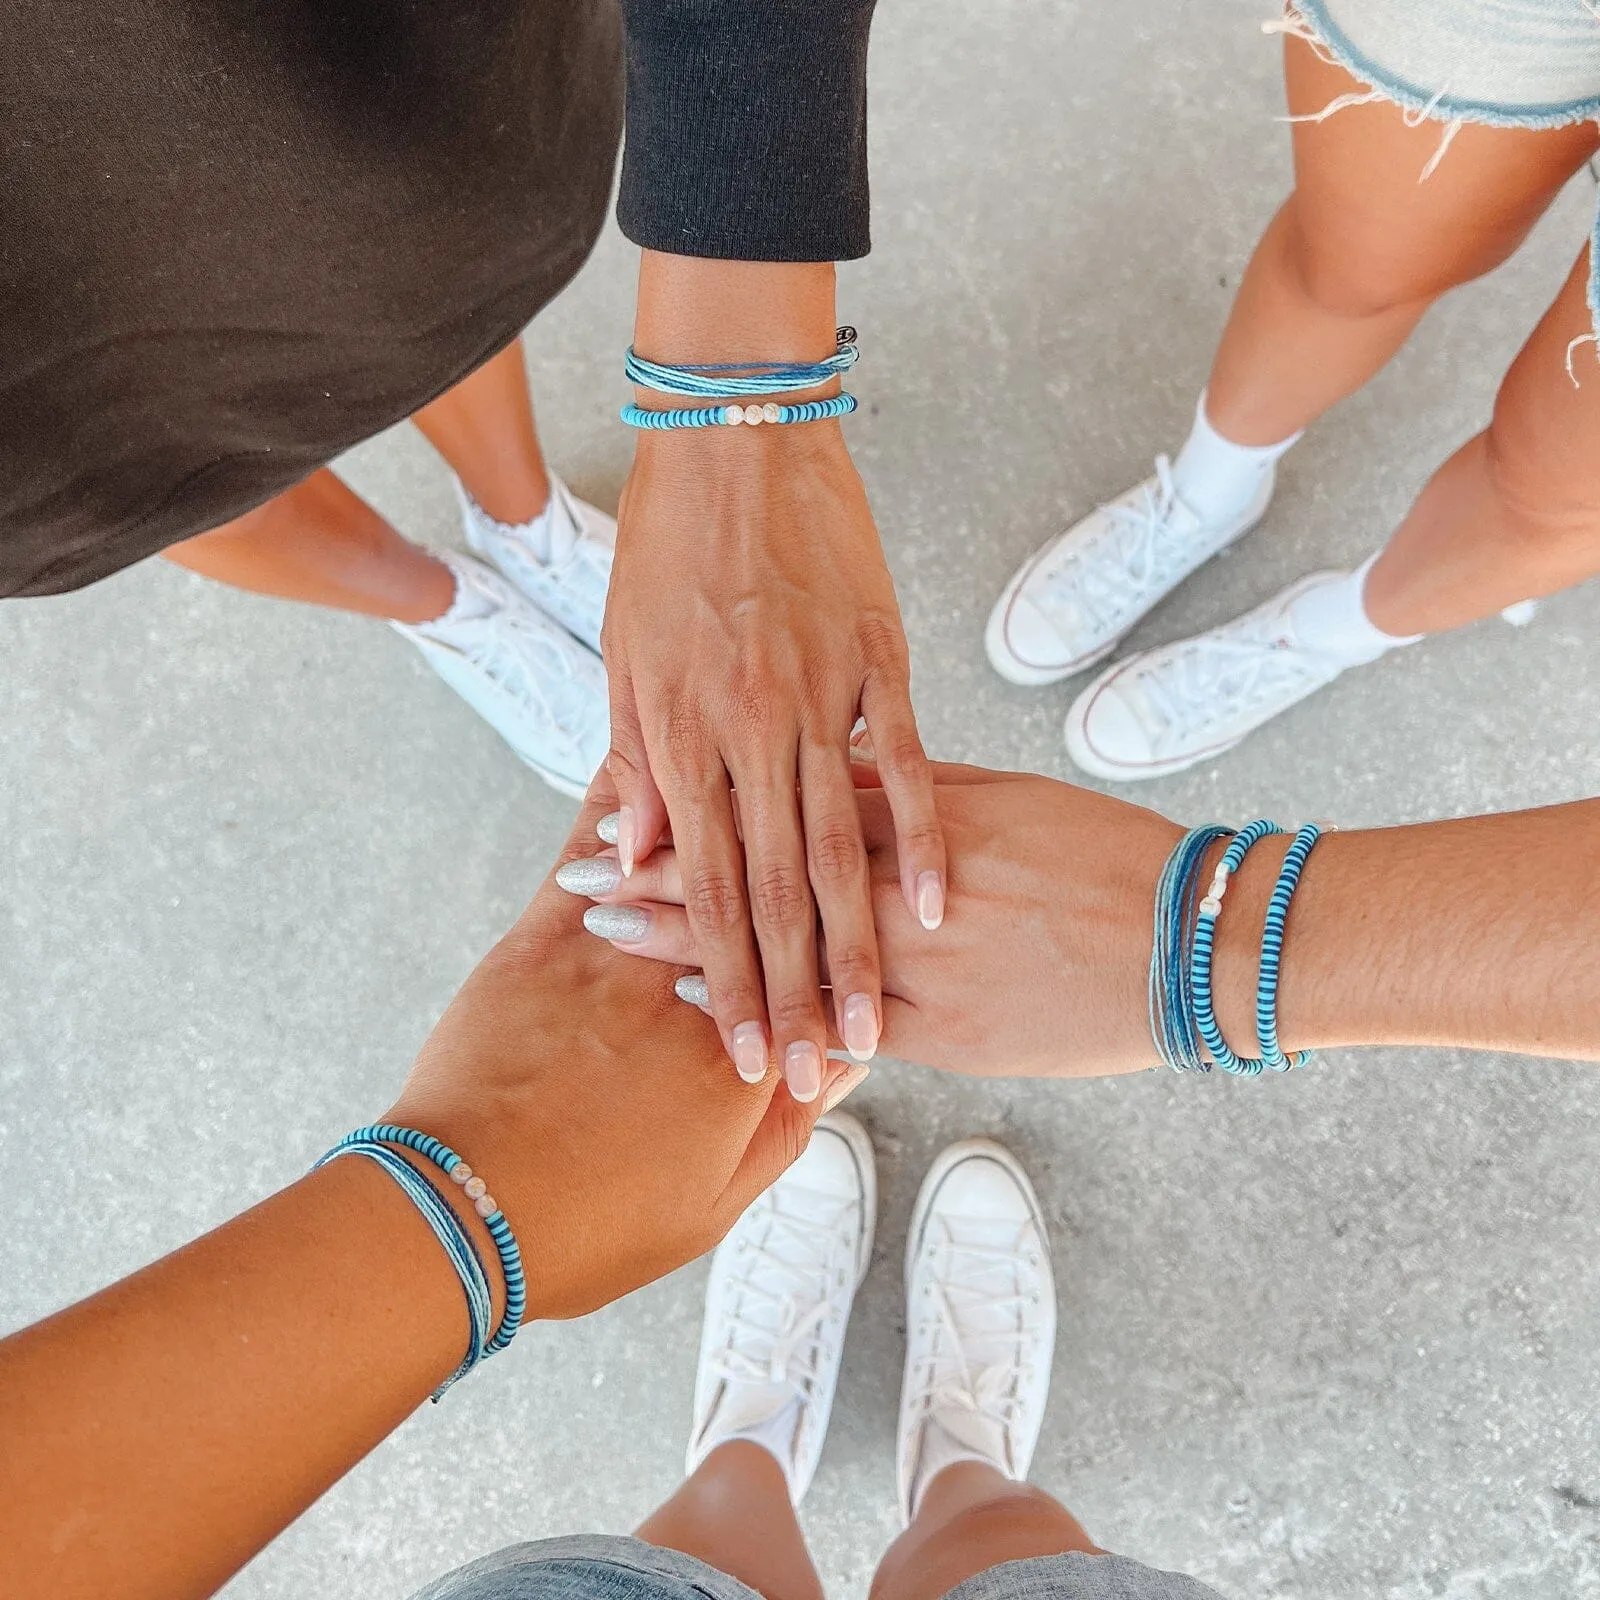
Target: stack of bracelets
x=376 y=1142
x=1183 y=1020
x=732 y=386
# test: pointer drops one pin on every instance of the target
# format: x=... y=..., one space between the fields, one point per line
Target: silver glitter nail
x=693 y=988
x=593 y=875
x=606 y=827
x=627 y=923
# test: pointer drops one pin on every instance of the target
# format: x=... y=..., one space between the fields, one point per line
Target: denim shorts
x=1503 y=63
x=604 y=1567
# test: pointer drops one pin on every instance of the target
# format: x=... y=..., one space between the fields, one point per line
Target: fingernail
x=846 y=1084
x=750 y=1050
x=625 y=840
x=861 y=743
x=860 y=1027
x=606 y=827
x=620 y=924
x=930 y=900
x=693 y=988
x=802 y=1066
x=592 y=875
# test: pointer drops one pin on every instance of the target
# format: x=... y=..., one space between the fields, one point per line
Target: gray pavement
x=1329 y=1336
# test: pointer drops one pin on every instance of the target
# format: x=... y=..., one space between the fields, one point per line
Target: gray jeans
x=606 y=1567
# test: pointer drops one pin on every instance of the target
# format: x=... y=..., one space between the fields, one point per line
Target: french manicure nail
x=845 y=1084
x=802 y=1066
x=861 y=743
x=606 y=827
x=625 y=840
x=860 y=1027
x=591 y=875
x=692 y=986
x=620 y=924
x=930 y=900
x=750 y=1051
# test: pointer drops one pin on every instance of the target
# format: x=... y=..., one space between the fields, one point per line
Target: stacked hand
x=1041 y=965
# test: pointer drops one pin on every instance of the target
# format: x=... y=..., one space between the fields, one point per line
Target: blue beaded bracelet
x=448 y=1162
x=1205 y=933
x=733 y=416
x=1272 y=952
x=729 y=379
x=453 y=1239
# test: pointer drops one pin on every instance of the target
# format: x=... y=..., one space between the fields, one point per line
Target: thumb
x=784 y=1132
x=643 y=819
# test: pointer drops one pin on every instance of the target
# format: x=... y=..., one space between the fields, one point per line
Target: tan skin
x=756 y=543
x=1479 y=933
x=1345 y=271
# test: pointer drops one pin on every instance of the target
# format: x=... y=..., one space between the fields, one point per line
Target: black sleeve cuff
x=747 y=128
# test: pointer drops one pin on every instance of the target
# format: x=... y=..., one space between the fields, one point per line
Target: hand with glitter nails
x=1039 y=967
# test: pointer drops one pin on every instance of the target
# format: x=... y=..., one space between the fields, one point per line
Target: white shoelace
x=1231 y=672
x=996 y=1281
x=523 y=656
x=1137 y=551
x=795 y=1274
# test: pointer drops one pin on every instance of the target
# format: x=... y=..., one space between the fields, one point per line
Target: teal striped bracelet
x=379 y=1137
x=1272 y=952
x=733 y=416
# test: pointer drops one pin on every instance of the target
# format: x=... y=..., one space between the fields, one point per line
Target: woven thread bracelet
x=1172 y=1011
x=733 y=416
x=374 y=1141
x=729 y=380
x=1205 y=933
x=1272 y=951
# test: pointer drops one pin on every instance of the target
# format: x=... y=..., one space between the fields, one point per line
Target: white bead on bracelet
x=751 y=415
x=475 y=1189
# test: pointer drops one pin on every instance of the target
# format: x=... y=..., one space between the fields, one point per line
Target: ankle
x=512 y=497
x=429 y=595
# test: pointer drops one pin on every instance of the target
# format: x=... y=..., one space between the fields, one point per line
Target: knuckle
x=781 y=899
x=903 y=759
x=920 y=838
x=837 y=854
x=852 y=967
x=883 y=643
x=798 y=1012
x=715 y=903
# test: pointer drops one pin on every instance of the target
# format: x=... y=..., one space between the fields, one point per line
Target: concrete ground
x=1322 y=1337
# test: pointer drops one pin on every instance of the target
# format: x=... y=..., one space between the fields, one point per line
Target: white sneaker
x=535 y=685
x=561 y=560
x=1071 y=603
x=780 y=1293
x=980 y=1320
x=1165 y=709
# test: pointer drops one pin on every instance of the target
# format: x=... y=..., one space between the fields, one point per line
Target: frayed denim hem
x=1308 y=20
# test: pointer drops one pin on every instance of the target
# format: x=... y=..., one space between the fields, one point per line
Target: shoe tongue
x=766 y=1412
x=555 y=531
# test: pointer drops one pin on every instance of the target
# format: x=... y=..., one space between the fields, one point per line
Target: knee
x=1354 y=275
x=1544 y=502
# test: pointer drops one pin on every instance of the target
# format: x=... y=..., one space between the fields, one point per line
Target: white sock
x=1332 y=620
x=550 y=534
x=469 y=603
x=1217 y=478
x=941 y=1449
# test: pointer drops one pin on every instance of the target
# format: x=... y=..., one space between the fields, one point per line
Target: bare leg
x=484 y=428
x=734 y=1514
x=321 y=543
x=973 y=1518
x=1360 y=249
x=1515 y=512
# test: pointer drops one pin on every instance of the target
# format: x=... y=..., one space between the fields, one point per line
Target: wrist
x=694 y=310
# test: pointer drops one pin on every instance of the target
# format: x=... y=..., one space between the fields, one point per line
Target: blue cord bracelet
x=728 y=380
x=1272 y=952
x=448 y=1162
x=1172 y=1010
x=448 y=1229
x=1205 y=933
x=732 y=416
